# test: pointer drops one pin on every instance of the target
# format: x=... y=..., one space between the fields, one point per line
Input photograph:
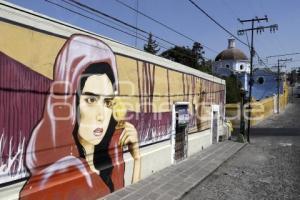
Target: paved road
x=268 y=168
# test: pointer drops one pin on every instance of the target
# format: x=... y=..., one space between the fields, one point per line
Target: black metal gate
x=215 y=127
x=180 y=142
x=181 y=136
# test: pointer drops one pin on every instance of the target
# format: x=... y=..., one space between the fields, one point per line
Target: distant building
x=265 y=84
x=231 y=61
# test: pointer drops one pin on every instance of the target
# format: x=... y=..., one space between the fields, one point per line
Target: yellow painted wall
x=38 y=50
x=34 y=49
x=261 y=110
x=233 y=113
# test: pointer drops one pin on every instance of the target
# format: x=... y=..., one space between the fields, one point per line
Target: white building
x=231 y=60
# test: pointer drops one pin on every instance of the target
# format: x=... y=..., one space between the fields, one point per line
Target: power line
x=252 y=29
x=278 y=82
x=275 y=37
x=109 y=20
x=164 y=25
x=248 y=41
x=217 y=23
x=280 y=55
x=124 y=23
x=136 y=22
x=256 y=12
x=100 y=22
x=90 y=18
x=222 y=27
x=293 y=61
x=118 y=20
x=145 y=38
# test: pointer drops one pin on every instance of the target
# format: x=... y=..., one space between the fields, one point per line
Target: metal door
x=180 y=142
x=179 y=131
x=215 y=127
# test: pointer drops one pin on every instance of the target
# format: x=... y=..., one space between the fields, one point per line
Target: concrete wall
x=42 y=63
x=199 y=141
x=158 y=156
x=261 y=109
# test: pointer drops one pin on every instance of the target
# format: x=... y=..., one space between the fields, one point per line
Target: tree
x=292 y=77
x=151 y=46
x=198 y=52
x=233 y=89
x=298 y=75
x=192 y=57
x=181 y=55
x=206 y=66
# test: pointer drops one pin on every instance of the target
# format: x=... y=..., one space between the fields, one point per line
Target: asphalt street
x=267 y=168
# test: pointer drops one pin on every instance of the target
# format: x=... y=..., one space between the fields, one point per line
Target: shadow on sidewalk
x=257 y=132
x=275 y=132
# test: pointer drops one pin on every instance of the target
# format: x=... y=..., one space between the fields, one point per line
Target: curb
x=205 y=163
x=211 y=172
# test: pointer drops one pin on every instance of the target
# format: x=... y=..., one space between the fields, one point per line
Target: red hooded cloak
x=52 y=157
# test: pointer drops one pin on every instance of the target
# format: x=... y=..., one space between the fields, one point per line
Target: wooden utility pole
x=278 y=82
x=136 y=23
x=259 y=29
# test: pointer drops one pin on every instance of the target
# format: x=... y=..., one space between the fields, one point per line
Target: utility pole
x=278 y=81
x=136 y=23
x=258 y=29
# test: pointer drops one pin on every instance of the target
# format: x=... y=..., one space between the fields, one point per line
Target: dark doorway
x=215 y=127
x=181 y=135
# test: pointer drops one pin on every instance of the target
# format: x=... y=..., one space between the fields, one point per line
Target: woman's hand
x=129 y=137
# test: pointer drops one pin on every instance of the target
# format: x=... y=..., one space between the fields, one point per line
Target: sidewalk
x=175 y=181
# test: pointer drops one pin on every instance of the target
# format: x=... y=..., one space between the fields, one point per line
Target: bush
x=233 y=87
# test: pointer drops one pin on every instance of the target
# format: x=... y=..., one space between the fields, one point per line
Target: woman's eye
x=91 y=100
x=108 y=103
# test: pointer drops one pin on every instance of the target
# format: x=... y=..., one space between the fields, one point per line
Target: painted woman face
x=95 y=107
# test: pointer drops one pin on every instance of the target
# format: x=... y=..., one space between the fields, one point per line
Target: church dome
x=231 y=53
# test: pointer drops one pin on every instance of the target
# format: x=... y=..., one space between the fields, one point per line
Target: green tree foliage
x=298 y=75
x=294 y=76
x=197 y=53
x=192 y=57
x=181 y=55
x=233 y=89
x=206 y=67
x=151 y=46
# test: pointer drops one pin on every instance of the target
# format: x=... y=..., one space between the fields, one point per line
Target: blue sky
x=185 y=18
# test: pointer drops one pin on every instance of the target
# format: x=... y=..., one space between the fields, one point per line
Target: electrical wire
x=136 y=22
x=118 y=20
x=217 y=23
x=222 y=27
x=164 y=25
x=106 y=19
x=103 y=95
x=90 y=18
x=280 y=55
x=144 y=38
x=82 y=6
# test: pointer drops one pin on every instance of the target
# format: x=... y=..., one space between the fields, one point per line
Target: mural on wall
x=74 y=126
x=80 y=137
x=22 y=96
